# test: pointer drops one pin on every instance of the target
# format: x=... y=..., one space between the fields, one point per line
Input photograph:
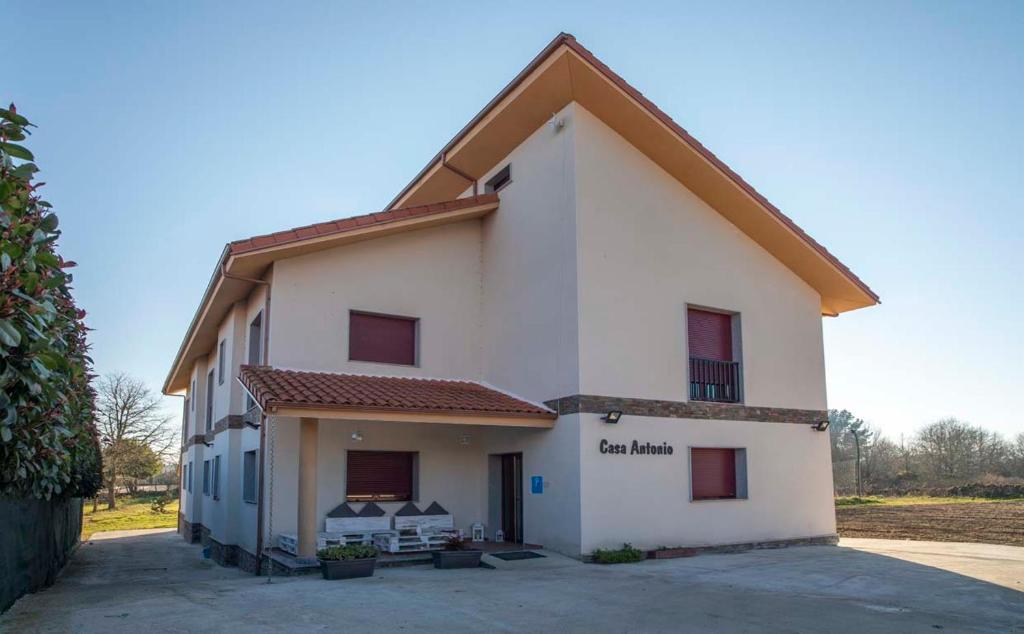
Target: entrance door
x=512 y=497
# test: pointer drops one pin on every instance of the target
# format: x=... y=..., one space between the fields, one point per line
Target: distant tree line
x=947 y=454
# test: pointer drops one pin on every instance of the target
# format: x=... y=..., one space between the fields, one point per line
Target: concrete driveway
x=151 y=581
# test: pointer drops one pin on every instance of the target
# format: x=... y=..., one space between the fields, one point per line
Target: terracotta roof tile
x=325 y=390
x=348 y=224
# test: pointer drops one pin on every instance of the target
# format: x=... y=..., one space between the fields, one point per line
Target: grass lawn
x=915 y=499
x=131 y=512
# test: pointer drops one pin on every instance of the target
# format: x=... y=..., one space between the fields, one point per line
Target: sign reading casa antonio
x=636 y=448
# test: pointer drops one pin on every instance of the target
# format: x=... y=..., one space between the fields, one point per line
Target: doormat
x=516 y=555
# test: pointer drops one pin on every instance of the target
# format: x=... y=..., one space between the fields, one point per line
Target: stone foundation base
x=204 y=535
x=249 y=562
x=223 y=554
x=819 y=540
x=190 y=532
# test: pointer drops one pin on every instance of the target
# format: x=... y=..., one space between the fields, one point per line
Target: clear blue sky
x=889 y=131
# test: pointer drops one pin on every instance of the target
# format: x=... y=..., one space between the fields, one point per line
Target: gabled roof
x=567 y=72
x=244 y=261
x=278 y=391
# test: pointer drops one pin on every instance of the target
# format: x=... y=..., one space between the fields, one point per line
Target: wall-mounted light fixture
x=357 y=436
x=612 y=417
x=820 y=426
x=464 y=440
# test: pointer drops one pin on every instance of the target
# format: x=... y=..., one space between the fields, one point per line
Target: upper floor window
x=381 y=338
x=256 y=340
x=209 y=401
x=255 y=350
x=714 y=359
x=499 y=180
x=220 y=362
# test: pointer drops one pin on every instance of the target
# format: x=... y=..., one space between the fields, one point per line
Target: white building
x=542 y=271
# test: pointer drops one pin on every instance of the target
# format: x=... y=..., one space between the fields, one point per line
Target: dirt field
x=991 y=523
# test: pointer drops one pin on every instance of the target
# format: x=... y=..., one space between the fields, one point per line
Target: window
x=381 y=338
x=249 y=477
x=714 y=365
x=256 y=340
x=718 y=473
x=216 y=477
x=499 y=180
x=220 y=362
x=206 y=477
x=190 y=476
x=380 y=475
x=184 y=424
x=209 y=401
x=184 y=477
x=193 y=395
x=255 y=350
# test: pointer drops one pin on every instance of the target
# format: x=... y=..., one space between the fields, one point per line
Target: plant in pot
x=347 y=562
x=458 y=553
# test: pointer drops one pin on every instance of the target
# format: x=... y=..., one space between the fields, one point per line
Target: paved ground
x=150 y=581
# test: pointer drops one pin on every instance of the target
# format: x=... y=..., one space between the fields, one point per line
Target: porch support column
x=308 y=442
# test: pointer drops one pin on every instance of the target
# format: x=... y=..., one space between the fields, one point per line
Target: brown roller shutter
x=381 y=338
x=379 y=475
x=709 y=334
x=713 y=473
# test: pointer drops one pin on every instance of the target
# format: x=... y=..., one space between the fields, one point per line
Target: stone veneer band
x=701 y=410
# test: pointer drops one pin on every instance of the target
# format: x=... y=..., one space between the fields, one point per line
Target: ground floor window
x=718 y=473
x=206 y=477
x=380 y=475
x=249 y=476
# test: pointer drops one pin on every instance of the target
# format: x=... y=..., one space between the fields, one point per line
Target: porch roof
x=402 y=399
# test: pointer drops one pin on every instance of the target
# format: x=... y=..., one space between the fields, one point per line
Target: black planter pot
x=447 y=559
x=347 y=568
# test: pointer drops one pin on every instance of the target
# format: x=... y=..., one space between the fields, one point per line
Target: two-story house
x=576 y=327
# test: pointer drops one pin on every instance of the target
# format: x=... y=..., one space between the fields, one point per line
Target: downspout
x=458 y=172
x=263 y=417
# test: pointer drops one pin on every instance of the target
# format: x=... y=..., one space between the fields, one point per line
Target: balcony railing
x=717 y=381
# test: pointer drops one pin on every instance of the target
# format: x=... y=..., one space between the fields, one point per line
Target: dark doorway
x=512 y=497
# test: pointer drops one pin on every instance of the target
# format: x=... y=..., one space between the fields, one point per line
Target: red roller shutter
x=713 y=473
x=381 y=338
x=709 y=334
x=379 y=475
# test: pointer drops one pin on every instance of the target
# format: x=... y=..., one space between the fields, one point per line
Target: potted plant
x=457 y=553
x=347 y=562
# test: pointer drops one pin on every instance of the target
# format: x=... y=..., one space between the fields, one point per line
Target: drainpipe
x=458 y=172
x=263 y=417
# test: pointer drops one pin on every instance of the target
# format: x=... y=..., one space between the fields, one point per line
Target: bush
x=48 y=442
x=625 y=555
x=455 y=543
x=343 y=553
x=159 y=504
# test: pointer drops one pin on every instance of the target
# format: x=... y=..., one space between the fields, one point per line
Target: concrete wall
x=530 y=338
x=431 y=274
x=645 y=499
x=648 y=247
x=452 y=473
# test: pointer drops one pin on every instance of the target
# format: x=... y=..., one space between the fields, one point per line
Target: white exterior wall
x=648 y=247
x=530 y=319
x=432 y=274
x=645 y=499
x=451 y=473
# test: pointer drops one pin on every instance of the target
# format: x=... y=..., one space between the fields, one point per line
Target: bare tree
x=128 y=414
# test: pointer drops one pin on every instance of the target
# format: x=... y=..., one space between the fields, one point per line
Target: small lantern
x=478 y=532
